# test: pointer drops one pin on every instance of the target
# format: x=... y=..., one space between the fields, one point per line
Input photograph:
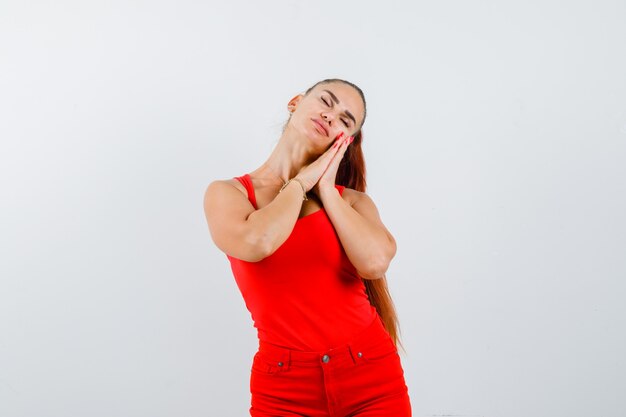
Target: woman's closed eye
x=325 y=102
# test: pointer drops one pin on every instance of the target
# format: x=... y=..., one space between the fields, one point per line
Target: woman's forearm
x=367 y=245
x=275 y=222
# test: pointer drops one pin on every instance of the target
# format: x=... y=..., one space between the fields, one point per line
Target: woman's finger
x=340 y=137
x=330 y=152
x=341 y=150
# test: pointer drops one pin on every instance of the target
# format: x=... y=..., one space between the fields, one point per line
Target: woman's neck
x=285 y=161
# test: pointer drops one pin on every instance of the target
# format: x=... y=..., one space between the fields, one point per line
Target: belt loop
x=353 y=354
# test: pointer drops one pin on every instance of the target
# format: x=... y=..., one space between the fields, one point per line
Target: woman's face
x=326 y=111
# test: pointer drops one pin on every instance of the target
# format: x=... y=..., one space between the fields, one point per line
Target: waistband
x=372 y=342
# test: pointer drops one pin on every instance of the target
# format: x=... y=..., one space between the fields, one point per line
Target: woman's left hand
x=327 y=180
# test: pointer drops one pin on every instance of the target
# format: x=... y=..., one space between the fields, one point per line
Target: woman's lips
x=320 y=127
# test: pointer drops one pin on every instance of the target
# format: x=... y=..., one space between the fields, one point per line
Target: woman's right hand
x=310 y=174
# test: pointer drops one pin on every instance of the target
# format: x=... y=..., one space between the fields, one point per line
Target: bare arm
x=243 y=232
x=275 y=222
x=365 y=239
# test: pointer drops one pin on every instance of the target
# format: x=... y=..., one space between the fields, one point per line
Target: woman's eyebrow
x=336 y=100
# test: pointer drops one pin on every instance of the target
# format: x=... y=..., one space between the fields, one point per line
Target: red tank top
x=307 y=295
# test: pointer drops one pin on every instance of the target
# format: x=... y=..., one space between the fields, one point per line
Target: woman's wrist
x=300 y=185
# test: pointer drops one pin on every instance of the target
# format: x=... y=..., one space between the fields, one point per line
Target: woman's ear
x=293 y=103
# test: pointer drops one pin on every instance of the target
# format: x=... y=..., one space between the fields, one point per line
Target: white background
x=495 y=146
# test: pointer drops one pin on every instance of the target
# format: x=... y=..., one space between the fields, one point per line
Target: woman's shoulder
x=351 y=195
x=227 y=183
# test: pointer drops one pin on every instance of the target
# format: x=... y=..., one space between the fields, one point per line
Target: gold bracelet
x=302 y=185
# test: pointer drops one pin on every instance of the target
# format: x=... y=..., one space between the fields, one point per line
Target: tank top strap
x=247 y=182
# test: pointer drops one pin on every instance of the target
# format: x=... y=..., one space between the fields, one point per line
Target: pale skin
x=305 y=150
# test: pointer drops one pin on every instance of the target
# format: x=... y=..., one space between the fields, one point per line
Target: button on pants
x=363 y=378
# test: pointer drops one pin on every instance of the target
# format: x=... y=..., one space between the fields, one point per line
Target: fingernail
x=351 y=139
x=339 y=135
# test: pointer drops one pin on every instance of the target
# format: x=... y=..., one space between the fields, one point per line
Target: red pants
x=362 y=378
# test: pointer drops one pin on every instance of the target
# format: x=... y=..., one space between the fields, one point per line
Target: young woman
x=309 y=252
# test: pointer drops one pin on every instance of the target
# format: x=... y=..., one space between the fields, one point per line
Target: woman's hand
x=311 y=174
x=327 y=180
